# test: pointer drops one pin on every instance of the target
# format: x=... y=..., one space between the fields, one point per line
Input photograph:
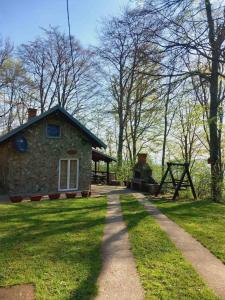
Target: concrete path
x=210 y=268
x=18 y=292
x=118 y=278
x=99 y=190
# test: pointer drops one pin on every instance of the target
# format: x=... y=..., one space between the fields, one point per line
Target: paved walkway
x=210 y=268
x=98 y=189
x=118 y=278
x=18 y=292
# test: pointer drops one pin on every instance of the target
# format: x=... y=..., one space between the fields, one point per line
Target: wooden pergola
x=98 y=156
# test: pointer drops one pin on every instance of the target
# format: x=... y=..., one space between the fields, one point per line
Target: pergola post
x=95 y=167
x=107 y=164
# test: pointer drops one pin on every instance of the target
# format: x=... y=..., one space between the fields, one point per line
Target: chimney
x=142 y=157
x=32 y=112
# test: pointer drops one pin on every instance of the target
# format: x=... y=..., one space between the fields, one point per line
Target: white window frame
x=68 y=175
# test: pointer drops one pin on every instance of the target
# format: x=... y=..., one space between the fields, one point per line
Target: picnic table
x=99 y=178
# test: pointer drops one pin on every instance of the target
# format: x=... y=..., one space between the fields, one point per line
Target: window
x=53 y=131
x=68 y=174
x=20 y=143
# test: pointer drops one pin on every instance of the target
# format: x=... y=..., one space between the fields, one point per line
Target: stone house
x=50 y=153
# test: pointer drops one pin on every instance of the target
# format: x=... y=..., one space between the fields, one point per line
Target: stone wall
x=36 y=171
x=4 y=156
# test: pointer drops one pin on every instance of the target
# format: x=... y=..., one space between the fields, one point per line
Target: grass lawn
x=53 y=244
x=204 y=220
x=164 y=273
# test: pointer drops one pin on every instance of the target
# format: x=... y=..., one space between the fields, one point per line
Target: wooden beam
x=163 y=180
x=107 y=172
x=95 y=167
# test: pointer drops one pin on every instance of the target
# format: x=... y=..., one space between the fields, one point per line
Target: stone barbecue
x=142 y=175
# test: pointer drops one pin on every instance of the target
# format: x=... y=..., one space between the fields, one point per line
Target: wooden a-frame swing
x=178 y=184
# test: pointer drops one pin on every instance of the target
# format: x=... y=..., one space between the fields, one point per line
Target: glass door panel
x=73 y=174
x=63 y=174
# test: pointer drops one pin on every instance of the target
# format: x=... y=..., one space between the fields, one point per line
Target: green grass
x=53 y=244
x=164 y=273
x=204 y=220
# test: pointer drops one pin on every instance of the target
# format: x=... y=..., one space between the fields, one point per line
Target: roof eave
x=96 y=142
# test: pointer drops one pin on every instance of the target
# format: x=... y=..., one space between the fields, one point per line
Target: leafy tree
x=195 y=31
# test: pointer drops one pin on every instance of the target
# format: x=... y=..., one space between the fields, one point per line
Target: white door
x=68 y=174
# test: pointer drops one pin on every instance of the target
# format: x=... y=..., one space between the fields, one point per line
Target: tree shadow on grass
x=36 y=237
x=195 y=209
x=36 y=228
x=25 y=211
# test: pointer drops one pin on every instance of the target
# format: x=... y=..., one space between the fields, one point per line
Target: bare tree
x=144 y=115
x=16 y=94
x=168 y=98
x=14 y=88
x=124 y=56
x=6 y=49
x=62 y=71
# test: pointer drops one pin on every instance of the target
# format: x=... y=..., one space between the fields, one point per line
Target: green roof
x=96 y=142
x=97 y=156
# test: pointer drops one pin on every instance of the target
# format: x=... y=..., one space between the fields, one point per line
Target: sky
x=21 y=20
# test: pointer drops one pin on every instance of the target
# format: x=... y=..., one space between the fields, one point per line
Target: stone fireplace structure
x=142 y=176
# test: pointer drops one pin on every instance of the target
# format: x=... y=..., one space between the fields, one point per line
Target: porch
x=99 y=176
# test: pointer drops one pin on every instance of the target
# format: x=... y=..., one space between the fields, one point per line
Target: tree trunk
x=165 y=133
x=134 y=150
x=164 y=141
x=216 y=171
x=120 y=148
